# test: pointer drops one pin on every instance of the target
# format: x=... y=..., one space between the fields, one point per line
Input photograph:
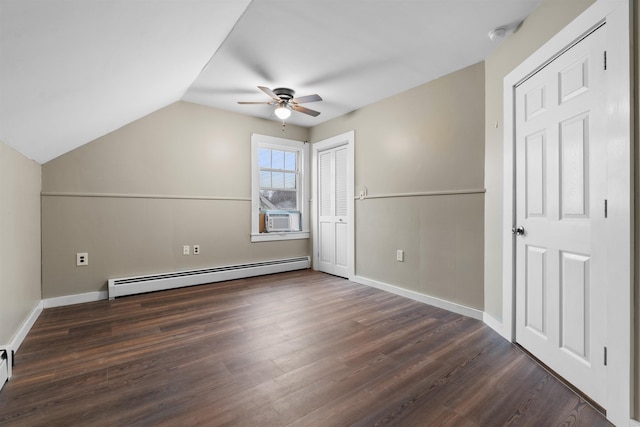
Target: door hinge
x=605 y=356
x=605 y=60
x=606 y=208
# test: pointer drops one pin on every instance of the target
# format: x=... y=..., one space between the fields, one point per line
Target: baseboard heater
x=4 y=368
x=159 y=282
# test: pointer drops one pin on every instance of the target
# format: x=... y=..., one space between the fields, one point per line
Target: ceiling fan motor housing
x=284 y=93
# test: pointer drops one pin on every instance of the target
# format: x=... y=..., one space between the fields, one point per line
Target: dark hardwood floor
x=294 y=349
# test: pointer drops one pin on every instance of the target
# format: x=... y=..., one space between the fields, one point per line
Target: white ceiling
x=74 y=70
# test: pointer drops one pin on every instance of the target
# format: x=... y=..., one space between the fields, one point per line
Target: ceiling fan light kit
x=284 y=99
x=282 y=112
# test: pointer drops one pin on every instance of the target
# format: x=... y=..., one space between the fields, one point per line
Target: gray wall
x=181 y=151
x=426 y=139
x=429 y=138
x=19 y=240
x=546 y=21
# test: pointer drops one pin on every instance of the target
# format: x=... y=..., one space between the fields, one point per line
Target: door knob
x=518 y=231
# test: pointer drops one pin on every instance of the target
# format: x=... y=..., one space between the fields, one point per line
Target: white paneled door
x=333 y=213
x=560 y=212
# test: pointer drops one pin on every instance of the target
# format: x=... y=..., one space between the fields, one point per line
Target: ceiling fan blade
x=270 y=93
x=308 y=98
x=305 y=110
x=257 y=102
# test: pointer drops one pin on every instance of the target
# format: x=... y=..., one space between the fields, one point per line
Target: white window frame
x=302 y=149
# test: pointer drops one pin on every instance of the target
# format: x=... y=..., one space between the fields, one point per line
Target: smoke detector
x=498 y=33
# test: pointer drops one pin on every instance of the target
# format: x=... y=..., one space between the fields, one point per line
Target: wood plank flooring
x=293 y=349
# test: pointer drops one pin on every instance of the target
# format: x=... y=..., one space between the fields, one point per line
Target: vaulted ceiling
x=74 y=70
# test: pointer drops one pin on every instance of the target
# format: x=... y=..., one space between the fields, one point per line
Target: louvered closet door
x=333 y=212
x=561 y=184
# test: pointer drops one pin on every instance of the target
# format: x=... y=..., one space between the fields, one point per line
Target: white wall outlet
x=400 y=255
x=196 y=249
x=185 y=250
x=82 y=259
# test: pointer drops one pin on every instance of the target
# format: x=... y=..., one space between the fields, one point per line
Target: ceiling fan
x=283 y=98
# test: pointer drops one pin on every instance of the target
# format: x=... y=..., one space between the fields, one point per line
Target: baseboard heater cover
x=4 y=368
x=158 y=282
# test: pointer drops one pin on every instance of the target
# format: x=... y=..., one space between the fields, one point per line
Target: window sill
x=272 y=237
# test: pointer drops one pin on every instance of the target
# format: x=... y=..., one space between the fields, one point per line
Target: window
x=278 y=179
x=279 y=189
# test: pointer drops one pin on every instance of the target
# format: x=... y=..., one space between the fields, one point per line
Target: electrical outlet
x=185 y=250
x=400 y=255
x=196 y=249
x=82 y=259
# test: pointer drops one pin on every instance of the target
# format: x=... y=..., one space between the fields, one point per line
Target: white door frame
x=348 y=139
x=616 y=14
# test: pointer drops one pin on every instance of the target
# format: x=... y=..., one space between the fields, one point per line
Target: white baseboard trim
x=75 y=299
x=493 y=323
x=19 y=337
x=426 y=299
x=24 y=329
x=634 y=423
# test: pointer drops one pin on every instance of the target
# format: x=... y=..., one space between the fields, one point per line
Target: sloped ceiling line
x=72 y=71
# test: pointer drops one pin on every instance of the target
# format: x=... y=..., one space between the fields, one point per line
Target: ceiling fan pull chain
x=283 y=126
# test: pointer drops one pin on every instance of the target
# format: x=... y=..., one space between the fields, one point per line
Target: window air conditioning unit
x=276 y=221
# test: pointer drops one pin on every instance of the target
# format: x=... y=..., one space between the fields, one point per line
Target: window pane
x=289 y=161
x=278 y=199
x=277 y=180
x=277 y=159
x=264 y=158
x=265 y=179
x=290 y=181
x=265 y=204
